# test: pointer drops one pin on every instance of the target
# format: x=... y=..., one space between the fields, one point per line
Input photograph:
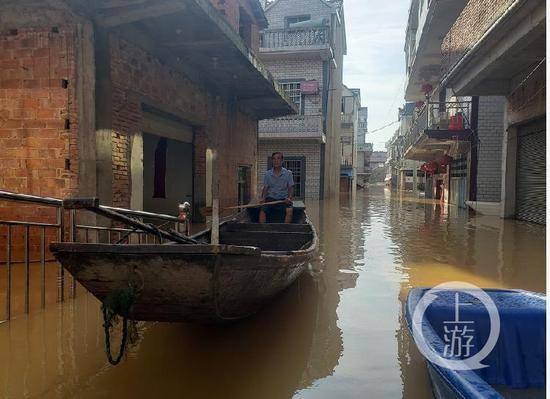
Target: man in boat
x=278 y=186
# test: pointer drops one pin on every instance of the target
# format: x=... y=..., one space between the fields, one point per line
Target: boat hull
x=178 y=283
x=515 y=367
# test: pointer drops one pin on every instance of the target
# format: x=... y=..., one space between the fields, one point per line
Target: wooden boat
x=199 y=282
x=516 y=367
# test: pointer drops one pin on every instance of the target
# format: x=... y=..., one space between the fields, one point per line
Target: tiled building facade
x=306 y=59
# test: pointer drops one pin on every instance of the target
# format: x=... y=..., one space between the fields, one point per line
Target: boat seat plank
x=267 y=227
x=267 y=241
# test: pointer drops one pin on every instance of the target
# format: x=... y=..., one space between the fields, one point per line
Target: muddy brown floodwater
x=339 y=332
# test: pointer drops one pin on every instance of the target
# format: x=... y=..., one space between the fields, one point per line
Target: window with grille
x=297 y=165
x=293 y=92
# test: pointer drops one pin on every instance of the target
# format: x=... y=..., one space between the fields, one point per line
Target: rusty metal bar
x=27 y=270
x=73 y=238
x=61 y=272
x=43 y=267
x=6 y=195
x=8 y=282
x=33 y=224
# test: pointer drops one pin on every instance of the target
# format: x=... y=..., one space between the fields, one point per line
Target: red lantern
x=427 y=88
x=445 y=160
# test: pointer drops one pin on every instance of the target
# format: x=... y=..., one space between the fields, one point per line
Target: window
x=293 y=92
x=295 y=19
x=297 y=165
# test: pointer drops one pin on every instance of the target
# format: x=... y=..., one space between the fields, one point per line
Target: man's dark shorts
x=278 y=209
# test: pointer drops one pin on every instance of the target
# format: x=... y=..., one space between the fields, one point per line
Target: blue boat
x=515 y=367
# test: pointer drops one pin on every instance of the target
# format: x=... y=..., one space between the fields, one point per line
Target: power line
x=383 y=127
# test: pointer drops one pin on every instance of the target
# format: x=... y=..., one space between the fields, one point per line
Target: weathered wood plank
x=81 y=203
x=152 y=249
x=269 y=227
x=267 y=241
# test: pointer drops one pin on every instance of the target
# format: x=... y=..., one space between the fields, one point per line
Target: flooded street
x=339 y=332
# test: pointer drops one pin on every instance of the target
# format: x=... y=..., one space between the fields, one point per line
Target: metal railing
x=64 y=226
x=447 y=116
x=295 y=37
x=292 y=126
x=347 y=119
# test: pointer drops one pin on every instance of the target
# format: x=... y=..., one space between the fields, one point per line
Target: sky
x=376 y=61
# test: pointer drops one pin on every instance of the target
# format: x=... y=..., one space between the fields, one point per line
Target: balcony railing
x=346 y=118
x=445 y=116
x=296 y=126
x=296 y=37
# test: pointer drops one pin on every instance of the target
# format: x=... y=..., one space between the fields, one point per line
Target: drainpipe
x=473 y=148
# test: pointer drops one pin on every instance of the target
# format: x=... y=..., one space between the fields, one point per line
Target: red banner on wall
x=309 y=87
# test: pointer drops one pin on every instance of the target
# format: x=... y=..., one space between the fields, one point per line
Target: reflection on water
x=338 y=332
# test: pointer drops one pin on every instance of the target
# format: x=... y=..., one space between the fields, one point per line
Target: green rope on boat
x=119 y=304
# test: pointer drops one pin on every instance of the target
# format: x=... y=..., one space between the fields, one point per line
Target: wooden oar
x=208 y=210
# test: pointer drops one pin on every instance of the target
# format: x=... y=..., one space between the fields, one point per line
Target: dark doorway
x=167 y=174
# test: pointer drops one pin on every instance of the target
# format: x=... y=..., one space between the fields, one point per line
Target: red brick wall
x=137 y=76
x=476 y=17
x=230 y=9
x=36 y=144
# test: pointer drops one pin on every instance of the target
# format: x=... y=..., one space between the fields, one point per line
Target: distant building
x=364 y=149
x=403 y=174
x=303 y=48
x=377 y=160
x=351 y=104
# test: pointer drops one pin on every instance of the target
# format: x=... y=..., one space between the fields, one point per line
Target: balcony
x=292 y=127
x=507 y=46
x=347 y=120
x=429 y=21
x=296 y=40
x=365 y=147
x=437 y=129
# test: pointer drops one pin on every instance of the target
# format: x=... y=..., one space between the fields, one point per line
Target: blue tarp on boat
x=518 y=360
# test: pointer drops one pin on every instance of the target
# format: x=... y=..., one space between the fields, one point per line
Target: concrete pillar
x=509 y=159
x=415 y=180
x=136 y=171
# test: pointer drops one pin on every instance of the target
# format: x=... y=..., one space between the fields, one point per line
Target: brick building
x=364 y=149
x=458 y=135
x=504 y=57
x=303 y=49
x=121 y=100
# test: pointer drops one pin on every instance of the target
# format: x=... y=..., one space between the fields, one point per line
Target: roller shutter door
x=531 y=173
